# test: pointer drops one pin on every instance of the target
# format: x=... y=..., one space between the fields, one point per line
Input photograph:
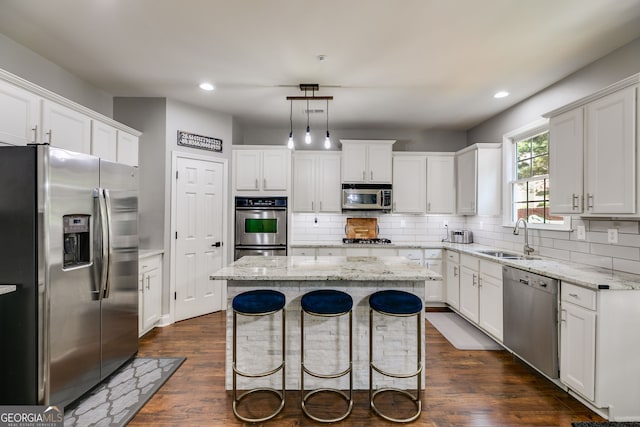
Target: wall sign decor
x=198 y=141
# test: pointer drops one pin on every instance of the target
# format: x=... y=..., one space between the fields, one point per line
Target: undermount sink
x=507 y=255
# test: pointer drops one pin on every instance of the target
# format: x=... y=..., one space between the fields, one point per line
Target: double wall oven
x=261 y=226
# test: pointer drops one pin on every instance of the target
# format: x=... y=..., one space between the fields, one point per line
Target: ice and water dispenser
x=76 y=240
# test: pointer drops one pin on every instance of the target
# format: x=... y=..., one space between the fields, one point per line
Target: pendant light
x=327 y=140
x=307 y=136
x=290 y=144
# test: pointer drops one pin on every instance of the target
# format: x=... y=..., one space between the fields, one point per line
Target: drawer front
x=469 y=262
x=490 y=268
x=302 y=251
x=453 y=257
x=330 y=251
x=578 y=295
x=150 y=263
x=433 y=254
x=414 y=255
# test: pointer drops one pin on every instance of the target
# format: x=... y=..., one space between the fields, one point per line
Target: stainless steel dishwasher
x=531 y=318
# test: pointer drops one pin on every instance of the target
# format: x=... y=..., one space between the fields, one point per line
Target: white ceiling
x=418 y=64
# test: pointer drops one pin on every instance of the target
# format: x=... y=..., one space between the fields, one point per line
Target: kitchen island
x=326 y=341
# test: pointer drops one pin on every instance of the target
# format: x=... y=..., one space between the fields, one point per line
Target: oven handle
x=259 y=209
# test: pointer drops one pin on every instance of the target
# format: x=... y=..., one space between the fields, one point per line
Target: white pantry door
x=199 y=228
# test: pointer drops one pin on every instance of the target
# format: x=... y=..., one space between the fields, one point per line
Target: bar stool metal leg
x=396 y=311
x=281 y=367
x=312 y=304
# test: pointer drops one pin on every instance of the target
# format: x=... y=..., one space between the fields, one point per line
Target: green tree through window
x=530 y=197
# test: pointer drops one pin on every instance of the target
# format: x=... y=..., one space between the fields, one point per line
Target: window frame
x=509 y=141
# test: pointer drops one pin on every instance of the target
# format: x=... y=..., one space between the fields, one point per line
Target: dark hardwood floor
x=463 y=388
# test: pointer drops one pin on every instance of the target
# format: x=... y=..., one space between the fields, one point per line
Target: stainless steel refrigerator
x=69 y=243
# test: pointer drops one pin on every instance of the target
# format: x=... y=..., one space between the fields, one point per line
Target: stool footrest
x=342 y=394
x=258 y=375
x=389 y=374
x=327 y=376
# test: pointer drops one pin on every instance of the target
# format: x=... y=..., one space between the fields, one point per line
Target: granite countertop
x=596 y=278
x=146 y=253
x=7 y=289
x=348 y=268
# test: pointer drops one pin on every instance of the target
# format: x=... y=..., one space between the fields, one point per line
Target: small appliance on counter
x=460 y=236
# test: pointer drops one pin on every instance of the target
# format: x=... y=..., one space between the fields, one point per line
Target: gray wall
x=611 y=68
x=148 y=115
x=406 y=139
x=160 y=119
x=27 y=64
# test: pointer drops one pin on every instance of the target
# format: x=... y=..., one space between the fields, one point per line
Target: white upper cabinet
x=65 y=128
x=262 y=171
x=593 y=153
x=316 y=182
x=441 y=184
x=104 y=141
x=409 y=183
x=18 y=115
x=367 y=161
x=31 y=114
x=127 y=149
x=610 y=153
x=566 y=161
x=479 y=173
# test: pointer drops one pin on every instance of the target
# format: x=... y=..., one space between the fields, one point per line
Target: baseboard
x=165 y=320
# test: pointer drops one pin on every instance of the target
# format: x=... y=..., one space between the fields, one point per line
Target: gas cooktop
x=367 y=241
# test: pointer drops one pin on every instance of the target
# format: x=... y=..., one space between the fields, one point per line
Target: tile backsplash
x=563 y=245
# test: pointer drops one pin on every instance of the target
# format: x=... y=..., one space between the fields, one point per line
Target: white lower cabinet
x=149 y=293
x=578 y=339
x=330 y=251
x=490 y=298
x=469 y=294
x=452 y=279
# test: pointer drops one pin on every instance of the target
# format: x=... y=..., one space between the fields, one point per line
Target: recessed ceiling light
x=501 y=94
x=206 y=86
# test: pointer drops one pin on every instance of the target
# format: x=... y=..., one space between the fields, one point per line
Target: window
x=528 y=187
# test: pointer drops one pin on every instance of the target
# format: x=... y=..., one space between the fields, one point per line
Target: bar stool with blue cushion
x=261 y=302
x=397 y=304
x=326 y=303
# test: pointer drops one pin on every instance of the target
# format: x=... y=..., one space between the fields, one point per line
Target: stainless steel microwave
x=366 y=197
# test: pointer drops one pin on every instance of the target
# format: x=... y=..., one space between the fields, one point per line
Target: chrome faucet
x=516 y=230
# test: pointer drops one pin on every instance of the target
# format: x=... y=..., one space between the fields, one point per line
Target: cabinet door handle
x=563 y=316
x=35 y=133
x=474 y=281
x=148 y=282
x=320 y=204
x=573 y=295
x=455 y=271
x=574 y=201
x=216 y=245
x=50 y=133
x=479 y=282
x=363 y=176
x=589 y=201
x=371 y=175
x=142 y=284
x=394 y=206
x=256 y=183
x=312 y=206
x=428 y=206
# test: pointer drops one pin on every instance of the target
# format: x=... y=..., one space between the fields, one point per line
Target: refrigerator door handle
x=104 y=261
x=107 y=248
